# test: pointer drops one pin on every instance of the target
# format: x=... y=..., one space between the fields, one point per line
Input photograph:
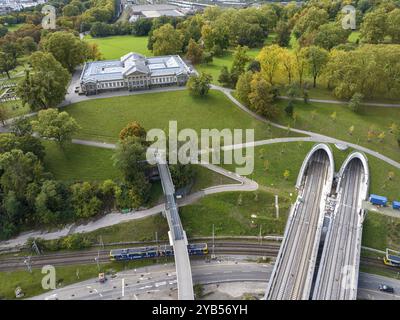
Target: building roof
x=114 y=70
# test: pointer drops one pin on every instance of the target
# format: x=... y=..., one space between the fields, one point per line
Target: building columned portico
x=133 y=72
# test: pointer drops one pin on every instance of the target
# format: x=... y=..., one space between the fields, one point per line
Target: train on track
x=392 y=258
x=197 y=249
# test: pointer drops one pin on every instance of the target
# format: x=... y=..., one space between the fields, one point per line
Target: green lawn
x=231 y=214
x=157 y=109
x=77 y=162
x=14 y=27
x=116 y=46
x=381 y=232
x=290 y=156
x=375 y=118
x=354 y=36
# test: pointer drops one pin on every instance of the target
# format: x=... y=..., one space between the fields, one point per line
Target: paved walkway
x=341 y=102
x=243 y=184
x=315 y=136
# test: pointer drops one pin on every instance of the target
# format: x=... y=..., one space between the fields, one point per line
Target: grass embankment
x=317 y=117
x=379 y=231
x=157 y=109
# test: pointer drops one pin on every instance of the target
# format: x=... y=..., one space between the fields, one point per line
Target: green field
x=78 y=162
x=381 y=232
x=290 y=156
x=157 y=109
x=117 y=46
x=231 y=215
x=375 y=118
x=14 y=27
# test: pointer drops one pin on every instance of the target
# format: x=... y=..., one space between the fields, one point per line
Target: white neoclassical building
x=133 y=71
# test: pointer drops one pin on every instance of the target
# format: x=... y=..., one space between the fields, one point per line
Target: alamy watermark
x=49 y=20
x=349 y=20
x=186 y=146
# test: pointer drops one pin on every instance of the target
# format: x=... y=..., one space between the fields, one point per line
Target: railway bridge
x=177 y=235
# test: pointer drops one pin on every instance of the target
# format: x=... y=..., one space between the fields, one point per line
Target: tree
x=374 y=26
x=3 y=31
x=393 y=128
x=84 y=200
x=130 y=158
x=261 y=97
x=330 y=35
x=199 y=85
x=182 y=175
x=133 y=129
x=286 y=174
x=270 y=60
x=19 y=170
x=391 y=175
x=52 y=124
x=282 y=33
x=194 y=52
x=309 y=20
x=333 y=116
x=316 y=61
x=393 y=25
x=254 y=66
x=70 y=10
x=240 y=59
x=225 y=77
x=355 y=102
x=167 y=40
x=288 y=63
x=243 y=87
x=3 y=114
x=381 y=136
x=7 y=63
x=351 y=130
x=44 y=85
x=22 y=127
x=68 y=49
x=300 y=64
x=52 y=202
x=289 y=109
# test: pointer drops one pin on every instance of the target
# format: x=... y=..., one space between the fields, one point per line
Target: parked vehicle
x=386 y=288
x=378 y=200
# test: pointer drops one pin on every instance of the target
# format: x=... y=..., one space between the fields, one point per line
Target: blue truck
x=396 y=205
x=378 y=200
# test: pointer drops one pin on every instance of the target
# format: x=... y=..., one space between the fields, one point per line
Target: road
x=159 y=281
x=291 y=277
x=337 y=269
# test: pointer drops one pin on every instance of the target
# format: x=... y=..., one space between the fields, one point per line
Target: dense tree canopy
x=45 y=83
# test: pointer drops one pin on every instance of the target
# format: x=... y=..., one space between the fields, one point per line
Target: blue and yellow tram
x=154 y=252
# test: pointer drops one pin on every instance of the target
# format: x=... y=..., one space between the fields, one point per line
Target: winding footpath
x=244 y=184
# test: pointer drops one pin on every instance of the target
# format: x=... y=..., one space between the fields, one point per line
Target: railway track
x=87 y=257
x=291 y=274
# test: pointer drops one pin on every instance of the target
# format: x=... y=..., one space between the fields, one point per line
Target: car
x=386 y=288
